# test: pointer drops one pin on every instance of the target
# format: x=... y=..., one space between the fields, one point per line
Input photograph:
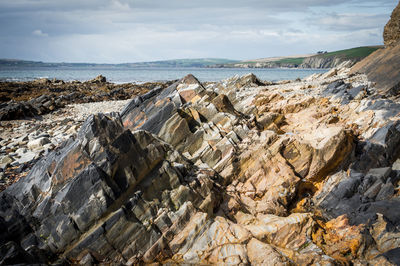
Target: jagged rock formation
x=37 y=106
x=235 y=172
x=391 y=33
x=316 y=61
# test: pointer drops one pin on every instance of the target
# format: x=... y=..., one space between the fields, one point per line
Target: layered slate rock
x=107 y=182
x=382 y=67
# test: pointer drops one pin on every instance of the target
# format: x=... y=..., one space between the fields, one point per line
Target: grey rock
x=386 y=192
x=380 y=150
x=11 y=254
x=357 y=93
x=5 y=161
x=99 y=79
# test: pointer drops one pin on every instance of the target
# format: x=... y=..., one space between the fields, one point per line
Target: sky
x=119 y=31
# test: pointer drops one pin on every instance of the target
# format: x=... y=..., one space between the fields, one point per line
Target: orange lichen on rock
x=339 y=239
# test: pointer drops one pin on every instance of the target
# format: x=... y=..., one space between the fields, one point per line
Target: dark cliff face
x=391 y=34
x=383 y=66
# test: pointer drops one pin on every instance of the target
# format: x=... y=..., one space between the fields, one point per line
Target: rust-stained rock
x=341 y=240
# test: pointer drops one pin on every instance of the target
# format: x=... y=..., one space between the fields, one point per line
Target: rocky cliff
x=307 y=62
x=382 y=66
x=391 y=33
x=232 y=172
x=326 y=62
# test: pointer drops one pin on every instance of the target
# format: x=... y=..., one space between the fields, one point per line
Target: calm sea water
x=122 y=75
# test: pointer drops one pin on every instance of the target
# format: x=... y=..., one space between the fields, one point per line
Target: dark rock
x=386 y=192
x=38 y=106
x=332 y=87
x=393 y=256
x=380 y=150
x=355 y=91
x=11 y=253
x=99 y=79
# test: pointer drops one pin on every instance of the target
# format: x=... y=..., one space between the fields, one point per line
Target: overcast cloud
x=116 y=31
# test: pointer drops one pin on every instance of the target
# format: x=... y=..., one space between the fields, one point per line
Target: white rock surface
x=38 y=143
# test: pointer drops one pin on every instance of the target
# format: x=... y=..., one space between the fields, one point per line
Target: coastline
x=153 y=74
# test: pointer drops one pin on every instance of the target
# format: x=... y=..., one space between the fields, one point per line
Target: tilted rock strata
x=106 y=182
x=382 y=68
x=233 y=172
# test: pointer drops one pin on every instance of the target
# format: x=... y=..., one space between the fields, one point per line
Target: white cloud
x=40 y=33
x=142 y=30
x=351 y=21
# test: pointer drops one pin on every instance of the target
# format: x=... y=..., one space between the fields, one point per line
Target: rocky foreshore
x=232 y=172
x=38 y=116
x=23 y=142
x=26 y=99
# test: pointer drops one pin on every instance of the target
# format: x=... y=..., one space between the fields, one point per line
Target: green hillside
x=358 y=52
x=353 y=54
x=295 y=61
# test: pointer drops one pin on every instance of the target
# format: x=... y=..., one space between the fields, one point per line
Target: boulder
x=38 y=143
x=320 y=152
x=99 y=79
x=262 y=254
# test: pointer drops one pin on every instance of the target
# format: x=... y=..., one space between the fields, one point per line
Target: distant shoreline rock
x=20 y=100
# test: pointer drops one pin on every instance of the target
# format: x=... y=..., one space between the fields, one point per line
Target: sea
x=146 y=74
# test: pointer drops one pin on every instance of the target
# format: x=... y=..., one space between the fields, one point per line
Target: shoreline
x=120 y=76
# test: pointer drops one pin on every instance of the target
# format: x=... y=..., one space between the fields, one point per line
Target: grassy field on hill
x=353 y=53
x=358 y=52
